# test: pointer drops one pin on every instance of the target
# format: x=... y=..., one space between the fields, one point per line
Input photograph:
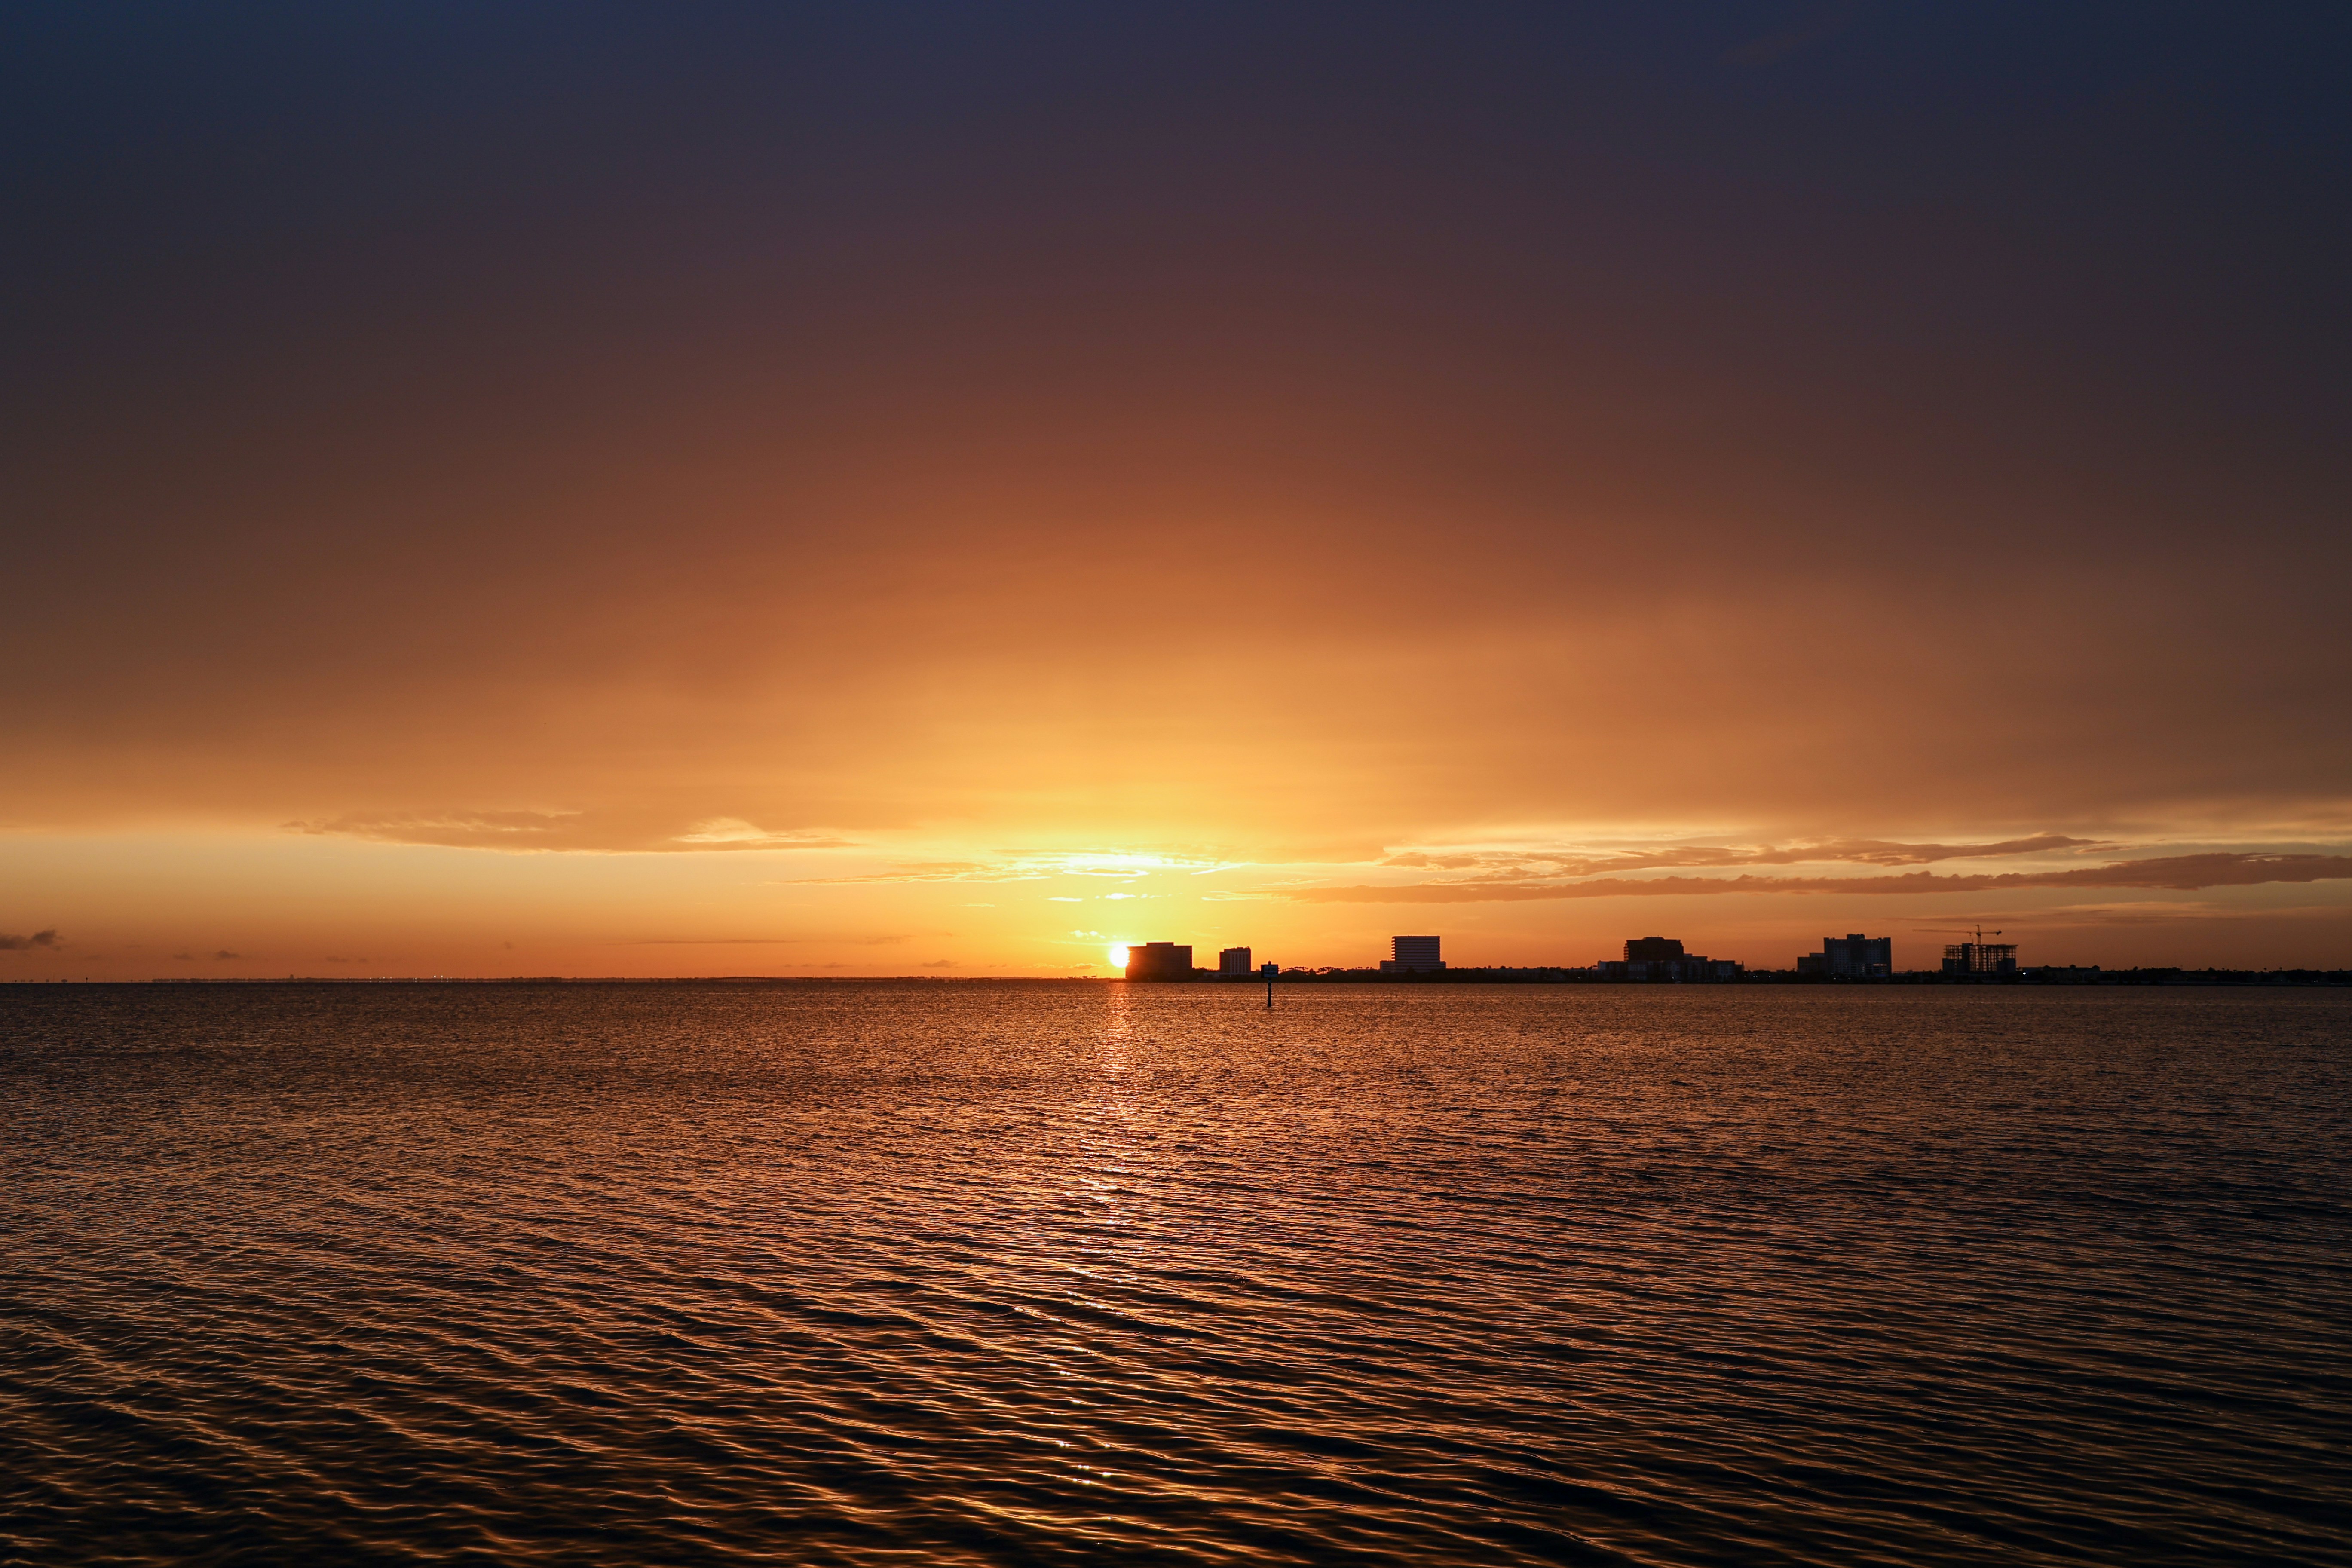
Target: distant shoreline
x=2169 y=977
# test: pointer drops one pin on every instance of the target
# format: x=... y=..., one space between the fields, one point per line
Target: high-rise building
x=1651 y=949
x=1414 y=955
x=1851 y=957
x=1980 y=958
x=1233 y=960
x=1160 y=961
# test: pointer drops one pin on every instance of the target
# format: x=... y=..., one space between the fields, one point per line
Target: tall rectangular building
x=1414 y=955
x=1851 y=957
x=1233 y=960
x=1160 y=961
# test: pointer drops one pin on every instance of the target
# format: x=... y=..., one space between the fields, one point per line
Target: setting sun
x=1118 y=958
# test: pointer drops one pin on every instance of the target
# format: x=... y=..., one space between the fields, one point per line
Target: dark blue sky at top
x=2096 y=251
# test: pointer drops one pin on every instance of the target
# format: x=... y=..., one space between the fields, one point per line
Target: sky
x=941 y=489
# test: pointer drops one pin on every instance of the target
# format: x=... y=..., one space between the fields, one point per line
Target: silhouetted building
x=1980 y=958
x=1233 y=960
x=1851 y=957
x=1663 y=958
x=1414 y=955
x=1160 y=961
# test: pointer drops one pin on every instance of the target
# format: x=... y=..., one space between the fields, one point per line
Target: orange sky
x=773 y=499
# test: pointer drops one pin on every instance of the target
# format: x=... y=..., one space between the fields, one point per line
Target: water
x=1038 y=1274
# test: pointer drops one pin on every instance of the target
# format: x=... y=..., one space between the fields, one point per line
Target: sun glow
x=1118 y=957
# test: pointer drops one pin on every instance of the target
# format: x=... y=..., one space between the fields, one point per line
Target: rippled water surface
x=1014 y=1273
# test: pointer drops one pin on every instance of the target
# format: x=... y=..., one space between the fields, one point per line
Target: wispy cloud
x=464 y=830
x=1014 y=867
x=2178 y=872
x=768 y=941
x=578 y=832
x=934 y=871
x=734 y=833
x=49 y=938
x=1520 y=863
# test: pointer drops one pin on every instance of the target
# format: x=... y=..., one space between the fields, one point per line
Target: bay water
x=1079 y=1273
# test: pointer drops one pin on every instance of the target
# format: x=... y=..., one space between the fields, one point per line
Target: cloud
x=577 y=832
x=1513 y=865
x=49 y=938
x=463 y=829
x=1874 y=852
x=767 y=941
x=1012 y=867
x=734 y=833
x=2178 y=872
x=222 y=955
x=938 y=871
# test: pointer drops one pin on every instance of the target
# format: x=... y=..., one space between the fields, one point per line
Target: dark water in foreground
x=1018 y=1274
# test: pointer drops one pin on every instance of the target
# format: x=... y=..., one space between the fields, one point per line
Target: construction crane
x=1956 y=930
